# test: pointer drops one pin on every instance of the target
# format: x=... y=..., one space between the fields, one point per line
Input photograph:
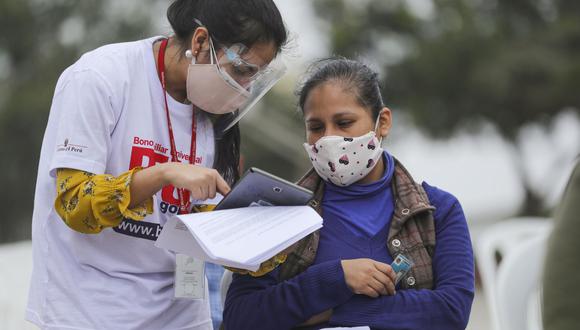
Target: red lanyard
x=184 y=204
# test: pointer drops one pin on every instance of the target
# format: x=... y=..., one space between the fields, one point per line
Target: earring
x=190 y=56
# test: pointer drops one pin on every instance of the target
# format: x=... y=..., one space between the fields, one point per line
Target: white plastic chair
x=225 y=285
x=534 y=308
x=518 y=285
x=500 y=239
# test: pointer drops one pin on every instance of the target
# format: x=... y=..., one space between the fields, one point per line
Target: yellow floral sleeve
x=88 y=203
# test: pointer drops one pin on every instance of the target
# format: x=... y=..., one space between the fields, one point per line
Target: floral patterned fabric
x=89 y=203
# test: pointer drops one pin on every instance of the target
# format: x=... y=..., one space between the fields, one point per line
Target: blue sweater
x=356 y=223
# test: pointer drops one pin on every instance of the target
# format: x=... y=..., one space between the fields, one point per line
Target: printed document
x=240 y=238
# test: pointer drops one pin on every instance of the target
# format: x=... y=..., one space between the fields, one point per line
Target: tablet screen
x=260 y=188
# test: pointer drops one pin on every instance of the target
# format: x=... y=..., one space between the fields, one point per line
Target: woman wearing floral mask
x=374 y=213
x=155 y=117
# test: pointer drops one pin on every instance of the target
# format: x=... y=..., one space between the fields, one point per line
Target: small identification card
x=189 y=277
x=401 y=265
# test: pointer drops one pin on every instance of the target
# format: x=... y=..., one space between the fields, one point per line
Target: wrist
x=162 y=174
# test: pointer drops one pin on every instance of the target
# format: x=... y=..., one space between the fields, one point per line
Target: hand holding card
x=401 y=265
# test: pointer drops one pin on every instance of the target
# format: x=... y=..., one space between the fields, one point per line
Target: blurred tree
x=38 y=40
x=453 y=64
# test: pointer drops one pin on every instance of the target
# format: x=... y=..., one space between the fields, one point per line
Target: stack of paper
x=240 y=238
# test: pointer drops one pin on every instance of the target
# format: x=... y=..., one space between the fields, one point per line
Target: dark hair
x=228 y=21
x=355 y=77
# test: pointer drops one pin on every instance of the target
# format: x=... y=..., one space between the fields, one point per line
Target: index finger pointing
x=222 y=186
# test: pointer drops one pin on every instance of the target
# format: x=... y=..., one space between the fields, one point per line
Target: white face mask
x=213 y=90
x=344 y=161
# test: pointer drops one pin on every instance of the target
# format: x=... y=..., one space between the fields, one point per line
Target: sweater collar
x=360 y=190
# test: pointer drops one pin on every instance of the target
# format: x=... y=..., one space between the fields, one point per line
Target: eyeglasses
x=232 y=63
x=237 y=67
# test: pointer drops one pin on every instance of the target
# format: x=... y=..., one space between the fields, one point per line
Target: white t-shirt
x=108 y=116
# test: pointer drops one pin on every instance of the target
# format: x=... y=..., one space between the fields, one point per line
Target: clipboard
x=260 y=188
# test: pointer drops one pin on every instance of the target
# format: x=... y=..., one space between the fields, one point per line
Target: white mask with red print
x=344 y=160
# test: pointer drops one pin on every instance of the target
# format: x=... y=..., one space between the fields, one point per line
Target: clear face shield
x=244 y=78
x=246 y=71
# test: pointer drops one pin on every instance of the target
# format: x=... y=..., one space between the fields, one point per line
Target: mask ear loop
x=377 y=126
x=212 y=53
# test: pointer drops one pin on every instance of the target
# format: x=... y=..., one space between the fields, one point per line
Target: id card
x=189 y=277
x=401 y=265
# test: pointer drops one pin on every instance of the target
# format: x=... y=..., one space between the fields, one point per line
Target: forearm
x=262 y=303
x=446 y=309
x=318 y=319
x=447 y=306
x=147 y=183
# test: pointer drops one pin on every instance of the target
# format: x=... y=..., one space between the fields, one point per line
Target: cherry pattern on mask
x=332 y=167
x=344 y=160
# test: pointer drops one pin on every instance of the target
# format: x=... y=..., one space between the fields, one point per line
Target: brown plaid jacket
x=412 y=230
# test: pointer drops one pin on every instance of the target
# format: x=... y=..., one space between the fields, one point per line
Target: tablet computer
x=260 y=188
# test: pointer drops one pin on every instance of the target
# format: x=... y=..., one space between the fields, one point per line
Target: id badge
x=401 y=265
x=189 y=277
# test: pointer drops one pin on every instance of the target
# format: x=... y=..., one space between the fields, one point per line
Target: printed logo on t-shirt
x=70 y=147
x=147 y=153
x=139 y=229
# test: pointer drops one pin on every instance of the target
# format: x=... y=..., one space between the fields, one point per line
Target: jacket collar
x=410 y=198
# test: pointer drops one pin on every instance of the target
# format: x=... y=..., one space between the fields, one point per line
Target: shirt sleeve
x=263 y=303
x=447 y=306
x=87 y=114
x=88 y=203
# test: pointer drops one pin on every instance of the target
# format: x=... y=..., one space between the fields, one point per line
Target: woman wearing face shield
x=376 y=221
x=138 y=132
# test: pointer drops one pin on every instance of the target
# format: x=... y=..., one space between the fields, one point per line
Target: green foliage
x=39 y=39
x=507 y=62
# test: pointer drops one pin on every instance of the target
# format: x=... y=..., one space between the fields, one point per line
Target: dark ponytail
x=228 y=21
x=227 y=147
